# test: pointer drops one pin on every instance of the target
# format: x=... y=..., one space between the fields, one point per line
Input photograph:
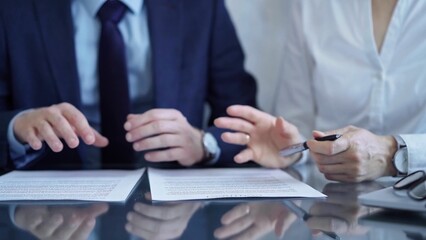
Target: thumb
x=97 y=209
x=318 y=134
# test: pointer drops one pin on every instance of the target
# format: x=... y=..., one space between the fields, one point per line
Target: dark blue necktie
x=113 y=86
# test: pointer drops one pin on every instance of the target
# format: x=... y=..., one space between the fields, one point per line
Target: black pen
x=300 y=147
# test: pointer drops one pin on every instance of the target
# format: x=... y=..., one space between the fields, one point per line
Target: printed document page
x=189 y=184
x=84 y=185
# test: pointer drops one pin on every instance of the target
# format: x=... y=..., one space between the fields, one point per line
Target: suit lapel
x=165 y=22
x=57 y=30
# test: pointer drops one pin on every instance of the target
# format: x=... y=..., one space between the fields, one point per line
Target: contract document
x=84 y=185
x=190 y=184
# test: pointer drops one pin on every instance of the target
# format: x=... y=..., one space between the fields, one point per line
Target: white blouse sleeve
x=416 y=151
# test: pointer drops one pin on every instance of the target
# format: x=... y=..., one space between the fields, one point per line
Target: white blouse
x=334 y=76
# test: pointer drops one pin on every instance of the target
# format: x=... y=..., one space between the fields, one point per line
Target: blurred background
x=258 y=26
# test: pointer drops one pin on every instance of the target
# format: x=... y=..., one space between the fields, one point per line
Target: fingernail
x=127 y=126
x=129 y=137
x=89 y=138
x=136 y=147
x=74 y=141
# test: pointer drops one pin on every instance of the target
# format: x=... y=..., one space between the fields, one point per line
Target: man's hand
x=167 y=221
x=340 y=212
x=254 y=220
x=358 y=155
x=264 y=135
x=50 y=124
x=168 y=136
x=59 y=222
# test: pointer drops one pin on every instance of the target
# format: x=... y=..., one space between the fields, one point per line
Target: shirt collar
x=93 y=6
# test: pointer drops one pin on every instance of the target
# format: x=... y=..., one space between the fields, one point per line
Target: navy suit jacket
x=196 y=56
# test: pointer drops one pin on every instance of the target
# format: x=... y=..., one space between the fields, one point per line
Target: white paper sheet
x=96 y=185
x=189 y=184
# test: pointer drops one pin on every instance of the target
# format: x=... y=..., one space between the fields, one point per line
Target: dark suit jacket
x=196 y=58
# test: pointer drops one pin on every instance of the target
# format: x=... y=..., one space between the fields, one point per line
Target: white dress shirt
x=333 y=74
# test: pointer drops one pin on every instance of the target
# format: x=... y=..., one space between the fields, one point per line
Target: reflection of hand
x=340 y=212
x=357 y=156
x=168 y=130
x=264 y=135
x=50 y=124
x=254 y=220
x=59 y=222
x=160 y=222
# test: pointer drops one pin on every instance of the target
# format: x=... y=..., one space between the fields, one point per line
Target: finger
x=64 y=129
x=149 y=234
x=328 y=224
x=48 y=226
x=153 y=226
x=29 y=217
x=244 y=156
x=79 y=122
x=84 y=230
x=158 y=142
x=236 y=138
x=33 y=140
x=153 y=128
x=235 y=124
x=321 y=159
x=134 y=121
x=318 y=134
x=344 y=178
x=100 y=140
x=248 y=113
x=286 y=129
x=161 y=227
x=235 y=213
x=46 y=132
x=279 y=225
x=71 y=224
x=333 y=169
x=140 y=232
x=233 y=228
x=165 y=212
x=95 y=210
x=329 y=148
x=167 y=155
x=253 y=232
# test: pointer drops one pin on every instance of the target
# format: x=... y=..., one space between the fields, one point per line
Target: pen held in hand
x=300 y=147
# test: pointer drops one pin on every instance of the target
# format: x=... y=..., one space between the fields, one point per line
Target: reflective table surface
x=339 y=216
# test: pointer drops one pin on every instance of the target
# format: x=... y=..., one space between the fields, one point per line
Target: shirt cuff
x=416 y=151
x=17 y=149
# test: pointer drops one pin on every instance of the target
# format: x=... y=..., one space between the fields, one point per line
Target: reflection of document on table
x=85 y=185
x=187 y=184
